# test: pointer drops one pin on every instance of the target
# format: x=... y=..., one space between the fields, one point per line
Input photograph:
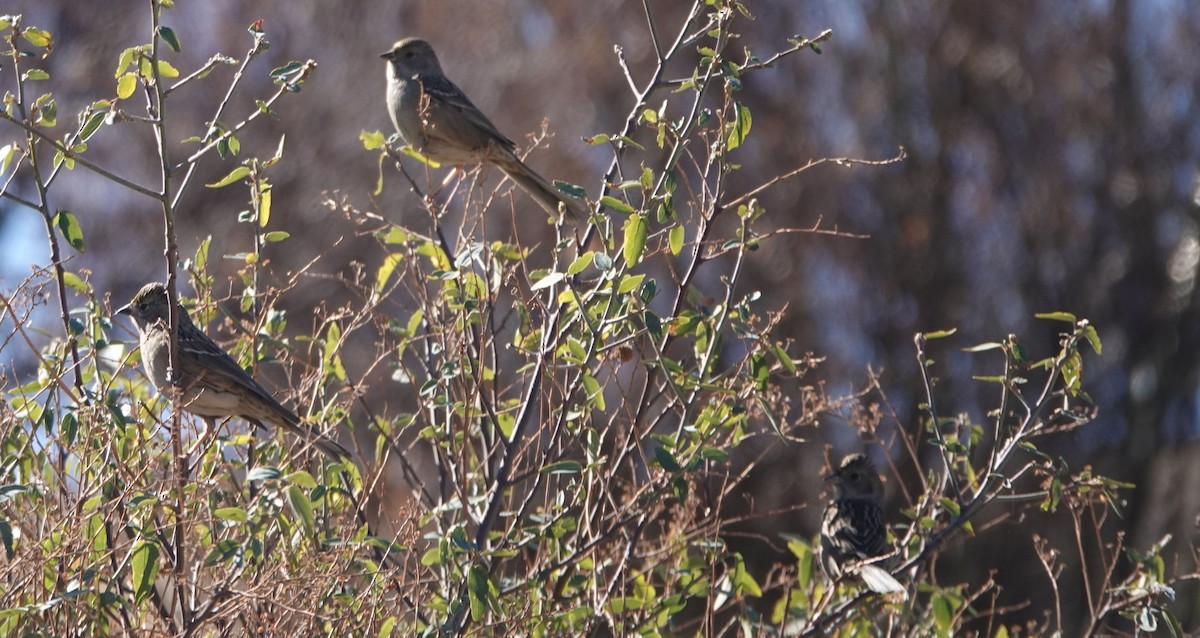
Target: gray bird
x=435 y=117
x=853 y=529
x=212 y=384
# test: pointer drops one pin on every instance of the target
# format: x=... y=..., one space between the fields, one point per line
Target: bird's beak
x=387 y=54
x=828 y=478
x=127 y=309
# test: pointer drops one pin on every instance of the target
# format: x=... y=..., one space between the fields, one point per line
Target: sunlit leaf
x=636 y=230
x=144 y=565
x=71 y=231
x=233 y=176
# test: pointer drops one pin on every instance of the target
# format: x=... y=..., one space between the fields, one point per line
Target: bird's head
x=412 y=56
x=856 y=477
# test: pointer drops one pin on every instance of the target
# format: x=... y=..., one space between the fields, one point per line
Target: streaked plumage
x=438 y=120
x=213 y=385
x=853 y=528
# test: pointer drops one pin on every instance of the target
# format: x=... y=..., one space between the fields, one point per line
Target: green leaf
x=124 y=61
x=394 y=235
x=92 y=124
x=984 y=347
x=71 y=231
x=168 y=36
x=385 y=270
x=389 y=624
x=333 y=361
x=302 y=507
x=144 y=562
x=666 y=459
x=37 y=37
x=35 y=74
x=580 y=263
x=276 y=236
x=372 y=140
x=563 y=467
x=431 y=557
x=653 y=325
x=166 y=70
x=1092 y=337
x=126 y=85
x=6 y=536
x=415 y=154
x=573 y=190
x=302 y=479
x=783 y=358
x=943 y=614
x=636 y=230
x=742 y=579
x=940 y=334
x=595 y=393
x=675 y=239
x=612 y=203
x=235 y=514
x=74 y=282
x=599 y=138
x=285 y=70
x=7 y=152
x=233 y=176
x=1056 y=316
x=739 y=128
x=478 y=591
x=547 y=281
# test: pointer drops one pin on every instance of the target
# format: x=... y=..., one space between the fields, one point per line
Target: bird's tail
x=331 y=448
x=878 y=580
x=542 y=191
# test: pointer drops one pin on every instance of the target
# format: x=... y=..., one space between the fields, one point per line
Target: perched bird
x=211 y=383
x=435 y=117
x=852 y=528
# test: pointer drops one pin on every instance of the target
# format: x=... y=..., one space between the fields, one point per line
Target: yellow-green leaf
x=675 y=239
x=264 y=208
x=580 y=263
x=126 y=85
x=236 y=514
x=233 y=176
x=144 y=563
x=636 y=229
x=1056 y=316
x=612 y=203
x=166 y=70
x=37 y=37
x=385 y=270
x=333 y=361
x=739 y=128
x=372 y=140
x=302 y=508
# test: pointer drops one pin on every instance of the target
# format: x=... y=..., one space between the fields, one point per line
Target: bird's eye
x=409 y=54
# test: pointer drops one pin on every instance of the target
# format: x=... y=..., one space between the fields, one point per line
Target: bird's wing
x=473 y=130
x=213 y=368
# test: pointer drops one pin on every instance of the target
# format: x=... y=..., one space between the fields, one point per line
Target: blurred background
x=1053 y=165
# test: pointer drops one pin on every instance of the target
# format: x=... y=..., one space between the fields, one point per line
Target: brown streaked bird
x=212 y=385
x=852 y=529
x=435 y=117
